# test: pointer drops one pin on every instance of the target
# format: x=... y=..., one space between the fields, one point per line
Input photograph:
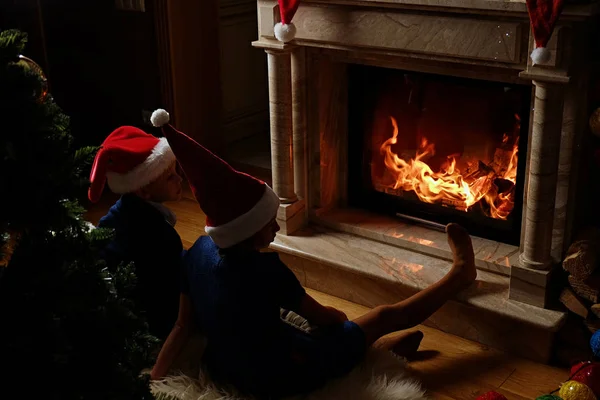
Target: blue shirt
x=145 y=237
x=236 y=300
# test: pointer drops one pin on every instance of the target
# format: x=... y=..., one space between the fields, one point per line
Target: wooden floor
x=449 y=367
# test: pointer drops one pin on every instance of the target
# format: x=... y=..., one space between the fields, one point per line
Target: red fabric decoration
x=223 y=193
x=129 y=159
x=287 y=10
x=236 y=204
x=543 y=15
x=492 y=396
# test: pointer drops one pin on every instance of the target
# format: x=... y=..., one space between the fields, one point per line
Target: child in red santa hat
x=142 y=168
x=235 y=292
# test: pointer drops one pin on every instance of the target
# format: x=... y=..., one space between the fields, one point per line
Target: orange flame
x=448 y=186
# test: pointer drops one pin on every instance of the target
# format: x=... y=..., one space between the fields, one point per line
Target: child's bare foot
x=405 y=344
x=408 y=345
x=462 y=250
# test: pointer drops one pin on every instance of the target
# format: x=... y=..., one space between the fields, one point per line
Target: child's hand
x=320 y=315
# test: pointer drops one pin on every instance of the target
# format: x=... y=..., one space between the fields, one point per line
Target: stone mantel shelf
x=488 y=33
x=570 y=12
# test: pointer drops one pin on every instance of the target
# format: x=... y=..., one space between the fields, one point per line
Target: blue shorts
x=304 y=364
x=330 y=354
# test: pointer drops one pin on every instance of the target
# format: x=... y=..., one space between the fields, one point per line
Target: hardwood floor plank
x=532 y=380
x=449 y=359
x=456 y=368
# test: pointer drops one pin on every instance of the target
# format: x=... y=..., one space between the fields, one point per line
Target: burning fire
x=493 y=184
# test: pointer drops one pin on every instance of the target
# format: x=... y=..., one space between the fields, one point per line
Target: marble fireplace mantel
x=479 y=39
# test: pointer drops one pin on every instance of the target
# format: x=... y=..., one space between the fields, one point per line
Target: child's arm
x=176 y=340
x=318 y=314
x=293 y=297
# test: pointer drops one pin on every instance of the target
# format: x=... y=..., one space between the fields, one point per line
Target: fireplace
x=434 y=149
x=376 y=100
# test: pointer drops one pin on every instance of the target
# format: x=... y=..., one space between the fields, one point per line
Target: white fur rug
x=382 y=376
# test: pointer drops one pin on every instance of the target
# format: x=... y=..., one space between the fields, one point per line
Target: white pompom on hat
x=159 y=118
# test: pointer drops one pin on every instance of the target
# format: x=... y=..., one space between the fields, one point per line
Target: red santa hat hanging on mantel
x=236 y=205
x=285 y=31
x=543 y=15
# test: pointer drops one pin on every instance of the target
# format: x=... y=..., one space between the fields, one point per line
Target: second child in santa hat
x=235 y=291
x=143 y=170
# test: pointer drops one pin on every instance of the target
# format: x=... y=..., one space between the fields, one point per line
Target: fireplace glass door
x=436 y=148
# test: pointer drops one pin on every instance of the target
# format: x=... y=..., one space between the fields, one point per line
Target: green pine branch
x=12 y=44
x=60 y=305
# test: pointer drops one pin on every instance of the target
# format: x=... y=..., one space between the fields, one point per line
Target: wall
x=107 y=66
x=215 y=80
x=102 y=62
x=243 y=72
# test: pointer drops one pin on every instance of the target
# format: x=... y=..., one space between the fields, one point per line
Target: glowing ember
x=492 y=184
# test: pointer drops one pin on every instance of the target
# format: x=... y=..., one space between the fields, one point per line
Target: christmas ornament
x=10 y=239
x=595 y=122
x=492 y=396
x=28 y=63
x=285 y=31
x=587 y=373
x=595 y=344
x=572 y=390
x=543 y=14
x=549 y=397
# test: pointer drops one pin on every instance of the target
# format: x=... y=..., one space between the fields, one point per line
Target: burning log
x=387 y=189
x=501 y=161
x=583 y=255
x=588 y=289
x=504 y=185
x=482 y=185
x=481 y=171
x=459 y=182
x=453 y=203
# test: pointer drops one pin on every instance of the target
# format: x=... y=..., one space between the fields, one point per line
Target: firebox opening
x=439 y=148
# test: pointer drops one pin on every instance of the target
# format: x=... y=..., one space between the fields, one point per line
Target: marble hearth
x=373 y=259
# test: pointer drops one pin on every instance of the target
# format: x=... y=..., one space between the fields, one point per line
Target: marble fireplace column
x=280 y=108
x=299 y=118
x=543 y=174
x=287 y=79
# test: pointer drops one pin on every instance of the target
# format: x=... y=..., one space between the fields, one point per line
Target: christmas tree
x=68 y=329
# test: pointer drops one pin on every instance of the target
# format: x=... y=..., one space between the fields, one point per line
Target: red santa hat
x=129 y=159
x=543 y=15
x=285 y=31
x=236 y=205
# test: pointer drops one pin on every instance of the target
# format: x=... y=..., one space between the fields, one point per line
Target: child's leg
x=416 y=309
